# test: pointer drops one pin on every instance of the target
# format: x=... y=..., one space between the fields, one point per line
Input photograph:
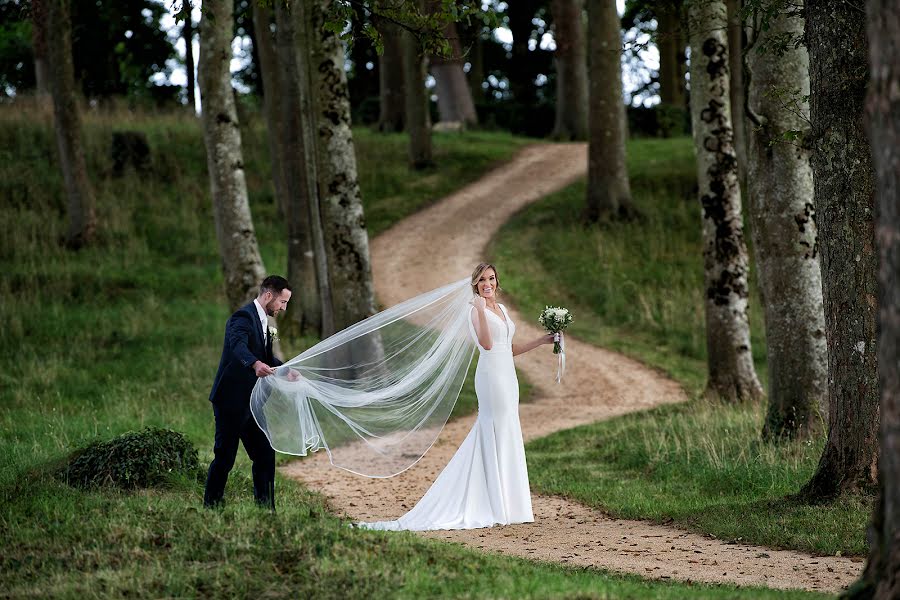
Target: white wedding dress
x=486 y=481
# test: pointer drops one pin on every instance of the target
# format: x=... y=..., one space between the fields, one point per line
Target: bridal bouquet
x=555 y=319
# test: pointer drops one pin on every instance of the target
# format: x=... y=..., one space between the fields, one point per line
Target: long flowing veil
x=376 y=395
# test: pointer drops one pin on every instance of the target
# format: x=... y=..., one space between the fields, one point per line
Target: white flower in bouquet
x=555 y=319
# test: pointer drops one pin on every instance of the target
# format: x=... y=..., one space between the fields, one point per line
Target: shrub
x=136 y=459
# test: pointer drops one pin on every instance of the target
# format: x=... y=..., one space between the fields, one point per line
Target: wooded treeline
x=800 y=103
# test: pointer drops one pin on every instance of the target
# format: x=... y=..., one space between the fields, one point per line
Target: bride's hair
x=476 y=275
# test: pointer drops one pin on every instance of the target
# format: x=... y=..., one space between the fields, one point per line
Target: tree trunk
x=241 y=260
x=571 y=70
x=785 y=241
x=732 y=376
x=882 y=576
x=39 y=47
x=67 y=124
x=306 y=259
x=520 y=70
x=844 y=182
x=343 y=224
x=187 y=32
x=884 y=132
x=418 y=121
x=454 y=98
x=391 y=84
x=670 y=42
x=476 y=70
x=608 y=190
x=737 y=90
x=272 y=94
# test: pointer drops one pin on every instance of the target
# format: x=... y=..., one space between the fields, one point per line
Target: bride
x=378 y=412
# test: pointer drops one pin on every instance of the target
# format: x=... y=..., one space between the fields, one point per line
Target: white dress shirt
x=264 y=319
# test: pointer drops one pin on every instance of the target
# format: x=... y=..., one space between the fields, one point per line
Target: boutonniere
x=273 y=334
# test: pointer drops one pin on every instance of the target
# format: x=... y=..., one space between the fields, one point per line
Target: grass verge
x=126 y=334
x=637 y=288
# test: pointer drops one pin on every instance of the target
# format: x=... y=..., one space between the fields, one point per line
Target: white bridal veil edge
x=376 y=395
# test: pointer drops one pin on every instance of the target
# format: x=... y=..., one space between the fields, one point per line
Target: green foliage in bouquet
x=555 y=319
x=136 y=459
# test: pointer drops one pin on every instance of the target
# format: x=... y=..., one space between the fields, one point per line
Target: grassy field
x=127 y=334
x=638 y=288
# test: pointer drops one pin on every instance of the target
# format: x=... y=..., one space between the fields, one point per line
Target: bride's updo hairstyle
x=476 y=275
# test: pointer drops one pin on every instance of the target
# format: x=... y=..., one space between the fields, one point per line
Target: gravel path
x=442 y=244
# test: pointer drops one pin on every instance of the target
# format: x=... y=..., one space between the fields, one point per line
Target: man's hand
x=262 y=369
x=293 y=375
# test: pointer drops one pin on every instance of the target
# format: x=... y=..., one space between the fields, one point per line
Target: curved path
x=442 y=244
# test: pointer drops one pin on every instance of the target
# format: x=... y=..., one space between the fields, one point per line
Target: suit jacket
x=244 y=345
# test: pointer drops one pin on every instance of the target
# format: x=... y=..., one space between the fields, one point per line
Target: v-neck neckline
x=503 y=318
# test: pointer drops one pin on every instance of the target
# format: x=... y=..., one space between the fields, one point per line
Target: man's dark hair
x=274 y=284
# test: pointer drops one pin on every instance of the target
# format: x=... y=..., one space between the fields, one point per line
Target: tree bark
x=343 y=223
x=608 y=189
x=476 y=70
x=671 y=44
x=737 y=90
x=241 y=261
x=882 y=575
x=187 y=32
x=881 y=579
x=272 y=94
x=520 y=69
x=844 y=182
x=732 y=376
x=784 y=239
x=391 y=84
x=571 y=70
x=418 y=121
x=39 y=47
x=306 y=259
x=67 y=125
x=454 y=98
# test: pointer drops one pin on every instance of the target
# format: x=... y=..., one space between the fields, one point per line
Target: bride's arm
x=518 y=349
x=479 y=321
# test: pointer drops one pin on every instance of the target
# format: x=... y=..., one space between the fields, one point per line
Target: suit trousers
x=234 y=424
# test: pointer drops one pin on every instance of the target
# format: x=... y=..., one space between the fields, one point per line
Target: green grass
x=634 y=287
x=127 y=334
x=637 y=288
x=699 y=466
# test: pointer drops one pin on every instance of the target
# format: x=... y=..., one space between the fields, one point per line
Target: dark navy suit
x=230 y=397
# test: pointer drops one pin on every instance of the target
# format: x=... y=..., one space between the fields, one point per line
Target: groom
x=246 y=356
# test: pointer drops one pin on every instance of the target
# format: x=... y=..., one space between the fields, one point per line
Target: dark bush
x=137 y=459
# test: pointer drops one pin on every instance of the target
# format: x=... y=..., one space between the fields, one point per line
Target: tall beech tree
x=418 y=121
x=608 y=189
x=784 y=232
x=307 y=265
x=187 y=33
x=271 y=75
x=454 y=98
x=737 y=91
x=732 y=376
x=671 y=44
x=39 y=46
x=391 y=84
x=882 y=575
x=241 y=261
x=67 y=125
x=571 y=70
x=844 y=191
x=331 y=166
